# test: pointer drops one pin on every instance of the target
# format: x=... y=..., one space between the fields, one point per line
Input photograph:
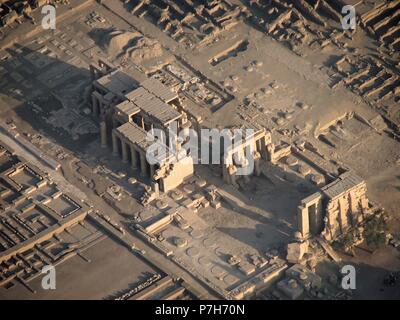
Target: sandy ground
x=261 y=216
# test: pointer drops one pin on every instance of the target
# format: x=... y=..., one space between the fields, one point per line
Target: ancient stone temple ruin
x=128 y=112
x=336 y=208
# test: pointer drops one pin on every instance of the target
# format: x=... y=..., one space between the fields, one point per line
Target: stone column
x=95 y=106
x=134 y=157
x=143 y=164
x=270 y=152
x=232 y=175
x=155 y=187
x=115 y=143
x=103 y=134
x=152 y=171
x=124 y=152
x=248 y=155
x=225 y=175
x=257 y=163
x=226 y=162
x=258 y=145
x=262 y=143
x=303 y=221
x=320 y=218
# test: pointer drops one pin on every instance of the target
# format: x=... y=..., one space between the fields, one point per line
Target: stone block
x=296 y=251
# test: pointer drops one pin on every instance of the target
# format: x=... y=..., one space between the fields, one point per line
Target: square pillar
x=103 y=134
x=95 y=106
x=343 y=211
x=257 y=163
x=258 y=145
x=225 y=174
x=134 y=157
x=143 y=164
x=232 y=175
x=226 y=162
x=124 y=152
x=270 y=152
x=303 y=221
x=262 y=144
x=115 y=143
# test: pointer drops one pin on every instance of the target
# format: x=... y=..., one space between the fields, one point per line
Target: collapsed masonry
x=335 y=209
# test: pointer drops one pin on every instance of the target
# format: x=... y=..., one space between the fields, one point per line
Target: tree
x=375 y=230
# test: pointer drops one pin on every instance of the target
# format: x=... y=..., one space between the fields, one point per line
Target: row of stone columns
x=260 y=147
x=97 y=103
x=137 y=157
x=229 y=171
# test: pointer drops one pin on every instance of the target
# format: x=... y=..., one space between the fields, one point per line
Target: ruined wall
x=334 y=209
x=345 y=211
x=179 y=172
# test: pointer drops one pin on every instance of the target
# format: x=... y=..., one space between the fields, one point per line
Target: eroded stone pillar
x=262 y=144
x=238 y=158
x=257 y=164
x=227 y=161
x=303 y=221
x=95 y=106
x=232 y=175
x=115 y=143
x=258 y=145
x=124 y=152
x=152 y=170
x=103 y=134
x=225 y=175
x=143 y=164
x=332 y=214
x=134 y=157
x=270 y=152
